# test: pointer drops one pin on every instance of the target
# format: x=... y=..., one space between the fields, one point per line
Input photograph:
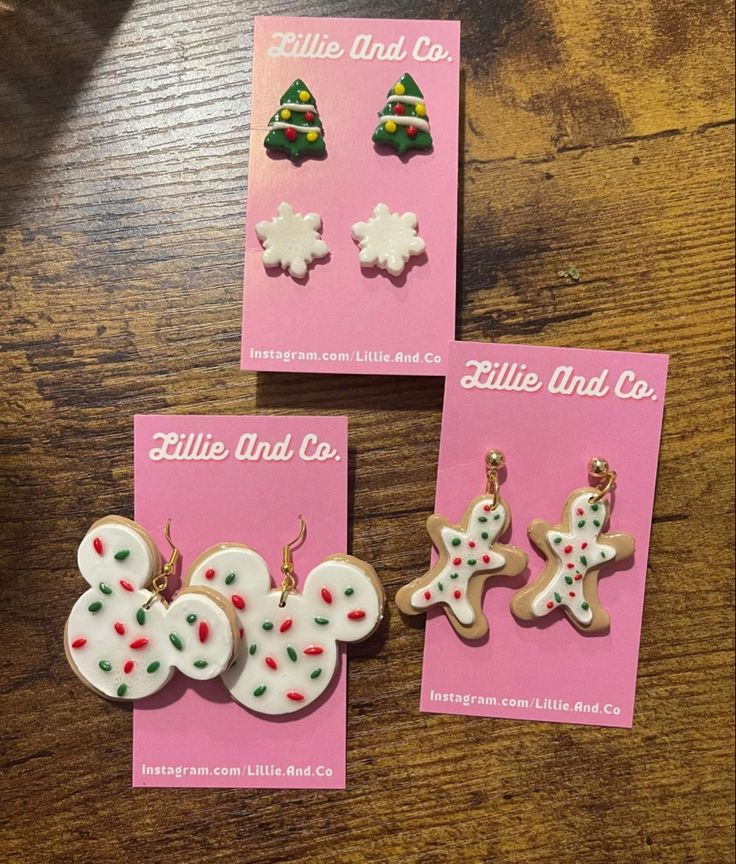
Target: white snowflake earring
x=388 y=240
x=291 y=240
x=575 y=548
x=289 y=640
x=469 y=554
x=123 y=639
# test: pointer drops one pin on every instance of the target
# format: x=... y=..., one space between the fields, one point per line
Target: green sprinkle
x=140 y=616
x=230 y=578
x=581 y=523
x=349 y=591
x=484 y=535
x=153 y=667
x=496 y=517
x=123 y=688
x=106 y=589
x=260 y=690
x=191 y=618
x=558 y=598
x=594 y=507
x=267 y=625
x=440 y=586
x=456 y=541
x=291 y=652
x=482 y=518
x=176 y=641
x=454 y=575
x=322 y=621
x=558 y=540
x=95 y=607
x=315 y=673
x=568 y=579
x=253 y=648
x=105 y=665
x=585 y=606
x=603 y=554
x=472 y=562
x=122 y=554
x=596 y=523
x=583 y=560
x=200 y=664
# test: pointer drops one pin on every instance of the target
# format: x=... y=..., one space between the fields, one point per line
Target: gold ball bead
x=495 y=459
x=598 y=467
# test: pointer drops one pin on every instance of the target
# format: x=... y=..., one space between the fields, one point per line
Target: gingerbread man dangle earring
x=469 y=554
x=575 y=549
x=289 y=640
x=123 y=639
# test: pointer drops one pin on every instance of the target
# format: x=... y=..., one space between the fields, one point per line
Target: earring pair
x=275 y=648
x=296 y=128
x=469 y=553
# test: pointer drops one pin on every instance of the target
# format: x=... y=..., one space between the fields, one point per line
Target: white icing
x=291 y=241
x=298 y=106
x=281 y=124
x=406 y=100
x=112 y=620
x=401 y=120
x=388 y=240
x=291 y=647
x=577 y=552
x=470 y=555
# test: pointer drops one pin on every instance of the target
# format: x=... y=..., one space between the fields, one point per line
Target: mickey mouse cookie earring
x=123 y=639
x=469 y=554
x=288 y=653
x=575 y=548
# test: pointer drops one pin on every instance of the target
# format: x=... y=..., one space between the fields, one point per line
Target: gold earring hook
x=495 y=460
x=288 y=583
x=161 y=580
x=601 y=470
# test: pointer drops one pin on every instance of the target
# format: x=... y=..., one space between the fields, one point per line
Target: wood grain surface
x=596 y=134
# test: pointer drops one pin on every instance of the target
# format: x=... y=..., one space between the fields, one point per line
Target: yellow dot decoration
x=390 y=127
x=304 y=95
x=312 y=136
x=399 y=89
x=285 y=114
x=420 y=110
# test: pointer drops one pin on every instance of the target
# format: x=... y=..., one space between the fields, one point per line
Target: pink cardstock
x=341 y=317
x=547 y=670
x=193 y=733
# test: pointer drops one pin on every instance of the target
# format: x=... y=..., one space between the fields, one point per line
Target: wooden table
x=596 y=134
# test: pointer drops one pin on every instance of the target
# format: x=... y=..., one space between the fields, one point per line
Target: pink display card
x=579 y=404
x=274 y=468
x=343 y=318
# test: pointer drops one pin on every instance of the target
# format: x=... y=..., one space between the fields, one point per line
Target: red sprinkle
x=486 y=559
x=326 y=596
x=584 y=546
x=581 y=512
x=238 y=601
x=285 y=625
x=314 y=649
x=128 y=667
x=412 y=131
x=79 y=643
x=487 y=508
x=570 y=565
x=139 y=643
x=578 y=576
x=572 y=593
x=398 y=109
x=471 y=543
x=457 y=561
x=550 y=605
x=270 y=662
x=241 y=631
x=309 y=116
x=457 y=594
x=126 y=585
x=204 y=631
x=97 y=543
x=290 y=134
x=294 y=696
x=119 y=627
x=427 y=595
x=568 y=550
x=209 y=574
x=356 y=615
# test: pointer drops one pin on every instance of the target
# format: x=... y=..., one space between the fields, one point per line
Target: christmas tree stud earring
x=288 y=653
x=403 y=122
x=122 y=638
x=295 y=128
x=575 y=549
x=469 y=554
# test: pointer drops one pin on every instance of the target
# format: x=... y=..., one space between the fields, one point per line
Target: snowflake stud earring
x=123 y=639
x=291 y=241
x=575 y=548
x=388 y=240
x=469 y=554
x=289 y=640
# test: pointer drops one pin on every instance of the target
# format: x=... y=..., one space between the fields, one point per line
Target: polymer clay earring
x=469 y=554
x=289 y=640
x=295 y=129
x=123 y=639
x=403 y=122
x=291 y=240
x=388 y=240
x=575 y=548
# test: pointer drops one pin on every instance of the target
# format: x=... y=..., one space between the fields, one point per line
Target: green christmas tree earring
x=403 y=122
x=295 y=128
